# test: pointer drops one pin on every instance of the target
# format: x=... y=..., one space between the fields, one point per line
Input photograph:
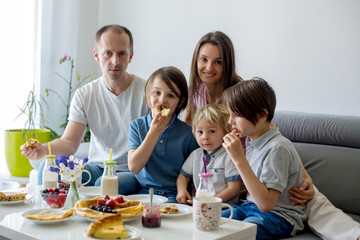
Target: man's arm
x=67 y=144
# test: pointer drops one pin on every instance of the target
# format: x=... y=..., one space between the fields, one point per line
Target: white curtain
x=35 y=35
x=59 y=27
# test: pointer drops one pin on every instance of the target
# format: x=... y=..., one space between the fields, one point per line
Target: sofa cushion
x=332 y=171
x=329 y=147
x=319 y=128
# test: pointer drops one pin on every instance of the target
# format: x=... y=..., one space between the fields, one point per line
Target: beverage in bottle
x=206 y=185
x=109 y=179
x=49 y=178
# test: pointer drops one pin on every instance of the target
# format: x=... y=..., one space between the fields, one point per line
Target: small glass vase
x=72 y=196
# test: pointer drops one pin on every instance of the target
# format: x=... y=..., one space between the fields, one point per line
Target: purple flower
x=62 y=159
x=85 y=160
x=71 y=164
x=54 y=169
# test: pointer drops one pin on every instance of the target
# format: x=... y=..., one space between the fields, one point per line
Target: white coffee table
x=14 y=226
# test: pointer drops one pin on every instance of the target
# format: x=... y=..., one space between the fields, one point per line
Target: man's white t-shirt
x=108 y=117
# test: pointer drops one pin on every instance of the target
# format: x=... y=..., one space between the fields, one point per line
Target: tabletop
x=14 y=226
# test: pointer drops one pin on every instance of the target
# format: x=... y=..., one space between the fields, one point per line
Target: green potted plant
x=33 y=109
x=72 y=86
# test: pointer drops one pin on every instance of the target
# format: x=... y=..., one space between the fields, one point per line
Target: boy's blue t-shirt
x=174 y=145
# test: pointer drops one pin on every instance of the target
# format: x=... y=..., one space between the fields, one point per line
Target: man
x=107 y=104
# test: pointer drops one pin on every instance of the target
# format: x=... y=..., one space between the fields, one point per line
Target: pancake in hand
x=164 y=111
x=32 y=142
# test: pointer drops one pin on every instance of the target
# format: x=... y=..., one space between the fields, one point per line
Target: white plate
x=133 y=233
x=89 y=192
x=124 y=219
x=44 y=222
x=28 y=197
x=145 y=198
x=183 y=210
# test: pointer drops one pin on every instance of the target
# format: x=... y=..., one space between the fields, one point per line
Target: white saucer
x=134 y=233
x=145 y=198
x=183 y=210
x=89 y=192
x=44 y=222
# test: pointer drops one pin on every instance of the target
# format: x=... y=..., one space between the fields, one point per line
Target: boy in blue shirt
x=158 y=144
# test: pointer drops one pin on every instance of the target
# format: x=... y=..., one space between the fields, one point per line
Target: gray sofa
x=329 y=147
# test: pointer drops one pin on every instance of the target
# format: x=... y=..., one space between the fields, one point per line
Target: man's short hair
x=115 y=28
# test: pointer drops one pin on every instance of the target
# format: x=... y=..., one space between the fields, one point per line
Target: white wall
x=307 y=50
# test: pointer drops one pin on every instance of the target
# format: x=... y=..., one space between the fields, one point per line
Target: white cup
x=207 y=213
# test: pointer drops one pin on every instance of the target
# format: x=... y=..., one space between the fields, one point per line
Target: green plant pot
x=18 y=165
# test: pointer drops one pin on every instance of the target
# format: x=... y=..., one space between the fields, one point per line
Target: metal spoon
x=151 y=191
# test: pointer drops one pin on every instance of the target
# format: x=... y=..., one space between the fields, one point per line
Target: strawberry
x=62 y=191
x=119 y=199
x=106 y=197
x=51 y=190
x=100 y=202
x=52 y=202
x=111 y=203
x=62 y=198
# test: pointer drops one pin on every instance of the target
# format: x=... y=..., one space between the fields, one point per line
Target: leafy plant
x=33 y=109
x=72 y=87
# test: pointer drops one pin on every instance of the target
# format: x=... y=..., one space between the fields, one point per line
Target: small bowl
x=54 y=198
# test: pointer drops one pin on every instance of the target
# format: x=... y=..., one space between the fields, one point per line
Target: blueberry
x=92 y=207
x=56 y=189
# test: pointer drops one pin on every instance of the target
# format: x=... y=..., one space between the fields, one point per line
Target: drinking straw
x=50 y=153
x=204 y=164
x=110 y=161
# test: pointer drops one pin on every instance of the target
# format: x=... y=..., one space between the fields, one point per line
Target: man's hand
x=33 y=153
x=303 y=194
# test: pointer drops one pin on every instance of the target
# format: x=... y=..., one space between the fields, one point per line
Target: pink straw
x=204 y=164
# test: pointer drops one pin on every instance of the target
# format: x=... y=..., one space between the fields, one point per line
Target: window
x=17 y=63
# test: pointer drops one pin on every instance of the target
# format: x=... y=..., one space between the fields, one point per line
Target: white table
x=14 y=226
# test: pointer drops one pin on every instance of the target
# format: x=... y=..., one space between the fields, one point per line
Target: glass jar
x=206 y=185
x=109 y=179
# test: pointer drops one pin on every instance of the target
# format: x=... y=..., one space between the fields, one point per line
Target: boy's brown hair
x=171 y=75
x=251 y=99
x=213 y=113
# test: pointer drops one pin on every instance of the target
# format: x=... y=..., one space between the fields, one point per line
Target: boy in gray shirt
x=271 y=166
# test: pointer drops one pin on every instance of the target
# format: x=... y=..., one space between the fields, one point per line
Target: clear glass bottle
x=206 y=185
x=109 y=179
x=49 y=178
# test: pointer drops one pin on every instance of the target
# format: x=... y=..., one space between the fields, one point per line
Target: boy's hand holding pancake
x=233 y=146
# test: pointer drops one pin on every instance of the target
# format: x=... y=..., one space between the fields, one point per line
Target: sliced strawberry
x=62 y=191
x=52 y=202
x=62 y=198
x=101 y=202
x=106 y=197
x=119 y=199
x=111 y=203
